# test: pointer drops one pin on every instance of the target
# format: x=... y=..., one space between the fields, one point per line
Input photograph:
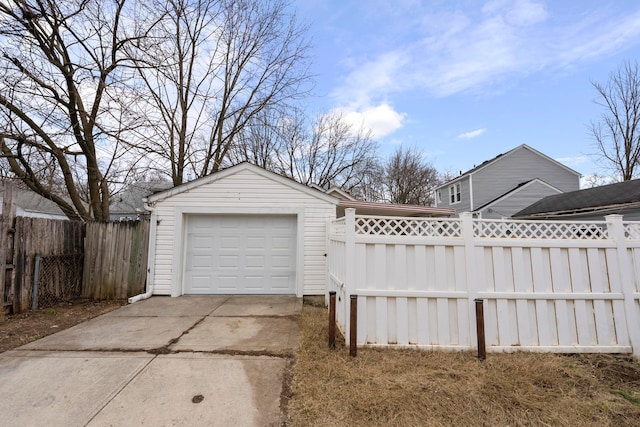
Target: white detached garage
x=242 y=230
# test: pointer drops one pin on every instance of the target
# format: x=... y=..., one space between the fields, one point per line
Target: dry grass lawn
x=425 y=388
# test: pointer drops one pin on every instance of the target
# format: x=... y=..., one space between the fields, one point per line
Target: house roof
x=514 y=190
x=391 y=209
x=130 y=199
x=29 y=203
x=501 y=156
x=613 y=196
x=238 y=168
x=340 y=193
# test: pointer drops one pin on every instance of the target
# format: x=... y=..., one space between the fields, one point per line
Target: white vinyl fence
x=546 y=285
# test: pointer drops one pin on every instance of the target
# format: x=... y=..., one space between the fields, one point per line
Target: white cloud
x=472 y=134
x=578 y=160
x=460 y=51
x=382 y=120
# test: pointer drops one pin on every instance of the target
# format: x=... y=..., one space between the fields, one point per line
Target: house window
x=454 y=193
x=439 y=196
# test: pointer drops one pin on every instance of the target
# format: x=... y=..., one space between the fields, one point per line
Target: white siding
x=244 y=191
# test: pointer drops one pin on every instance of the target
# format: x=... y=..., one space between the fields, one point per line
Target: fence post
x=36 y=277
x=627 y=282
x=7 y=224
x=353 y=331
x=332 y=319
x=350 y=258
x=482 y=349
x=466 y=219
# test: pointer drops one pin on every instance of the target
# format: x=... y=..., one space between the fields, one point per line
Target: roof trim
x=232 y=170
x=515 y=190
x=344 y=195
x=487 y=163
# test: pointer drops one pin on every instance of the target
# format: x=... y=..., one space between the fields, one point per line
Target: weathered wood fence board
x=545 y=286
x=115 y=263
x=52 y=239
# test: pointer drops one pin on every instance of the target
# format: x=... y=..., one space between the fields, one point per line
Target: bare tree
x=63 y=98
x=211 y=67
x=408 y=178
x=262 y=141
x=328 y=152
x=617 y=132
x=332 y=153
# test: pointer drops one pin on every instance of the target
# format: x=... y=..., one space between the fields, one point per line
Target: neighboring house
x=245 y=230
x=591 y=204
x=384 y=209
x=30 y=204
x=128 y=204
x=506 y=184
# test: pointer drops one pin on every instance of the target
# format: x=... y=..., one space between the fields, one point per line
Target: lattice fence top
x=501 y=229
x=483 y=228
x=632 y=231
x=422 y=227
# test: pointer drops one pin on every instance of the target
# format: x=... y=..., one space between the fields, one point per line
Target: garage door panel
x=202 y=242
x=202 y=262
x=201 y=281
x=229 y=261
x=226 y=283
x=255 y=283
x=242 y=254
x=255 y=242
x=228 y=242
x=281 y=262
x=280 y=282
x=255 y=261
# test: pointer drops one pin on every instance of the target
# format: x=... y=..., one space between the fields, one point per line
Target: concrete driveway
x=187 y=361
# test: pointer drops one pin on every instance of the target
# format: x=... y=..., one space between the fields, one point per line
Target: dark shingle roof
x=597 y=197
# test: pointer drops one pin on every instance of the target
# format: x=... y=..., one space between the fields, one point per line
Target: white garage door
x=240 y=254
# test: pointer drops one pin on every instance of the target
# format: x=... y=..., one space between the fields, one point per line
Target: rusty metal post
x=332 y=319
x=353 y=326
x=482 y=349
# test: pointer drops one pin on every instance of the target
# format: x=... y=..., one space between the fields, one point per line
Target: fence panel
x=115 y=259
x=547 y=286
x=60 y=245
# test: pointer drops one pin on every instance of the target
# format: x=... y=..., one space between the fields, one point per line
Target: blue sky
x=465 y=80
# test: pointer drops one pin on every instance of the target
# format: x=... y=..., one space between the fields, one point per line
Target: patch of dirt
x=383 y=387
x=19 y=329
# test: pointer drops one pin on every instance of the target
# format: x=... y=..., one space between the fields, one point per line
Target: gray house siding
x=465 y=196
x=517 y=167
x=513 y=202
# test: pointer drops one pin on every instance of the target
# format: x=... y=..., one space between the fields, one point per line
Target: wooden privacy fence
x=115 y=259
x=546 y=286
x=92 y=260
x=60 y=245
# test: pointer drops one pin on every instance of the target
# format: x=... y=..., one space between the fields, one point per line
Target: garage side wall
x=243 y=192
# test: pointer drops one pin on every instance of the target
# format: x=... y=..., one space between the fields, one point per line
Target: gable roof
x=514 y=190
x=340 y=194
x=232 y=170
x=489 y=162
x=130 y=199
x=612 y=196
